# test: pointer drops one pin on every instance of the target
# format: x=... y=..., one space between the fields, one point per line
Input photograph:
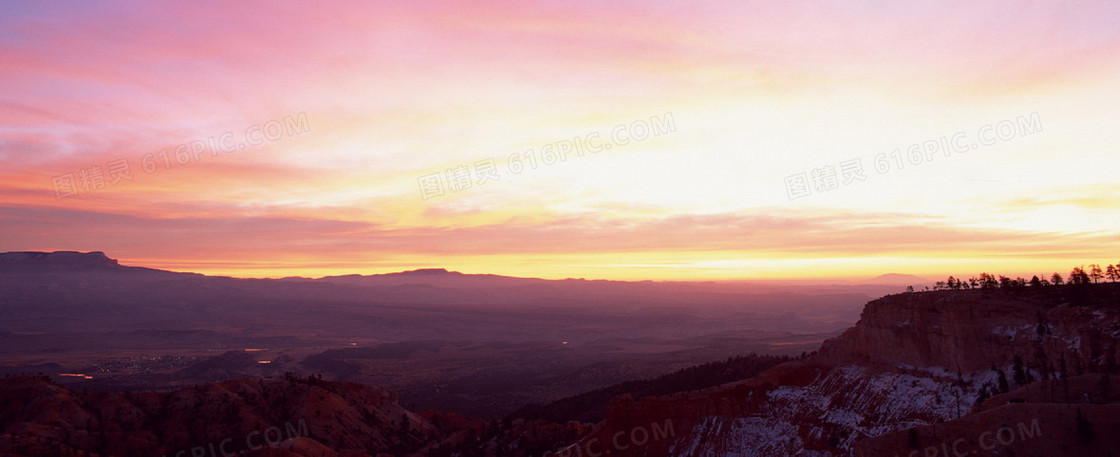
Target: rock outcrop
x=972 y=330
x=913 y=360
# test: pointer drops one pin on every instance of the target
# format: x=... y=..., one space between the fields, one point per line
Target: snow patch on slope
x=854 y=400
x=739 y=437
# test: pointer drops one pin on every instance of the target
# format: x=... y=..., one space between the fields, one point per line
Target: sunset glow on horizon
x=620 y=140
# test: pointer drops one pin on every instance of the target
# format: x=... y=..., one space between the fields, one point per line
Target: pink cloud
x=193 y=235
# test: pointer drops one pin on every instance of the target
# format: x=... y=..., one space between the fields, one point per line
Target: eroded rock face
x=972 y=330
x=811 y=408
x=913 y=360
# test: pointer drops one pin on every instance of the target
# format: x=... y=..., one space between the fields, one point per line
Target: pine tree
x=1079 y=276
x=1095 y=273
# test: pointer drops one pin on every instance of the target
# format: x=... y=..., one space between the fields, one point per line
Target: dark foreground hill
x=277 y=417
x=592 y=406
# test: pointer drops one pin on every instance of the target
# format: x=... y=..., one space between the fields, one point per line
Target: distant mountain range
x=432 y=286
x=74 y=261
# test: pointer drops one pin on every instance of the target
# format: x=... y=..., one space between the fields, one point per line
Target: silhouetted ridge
x=429 y=272
x=57 y=261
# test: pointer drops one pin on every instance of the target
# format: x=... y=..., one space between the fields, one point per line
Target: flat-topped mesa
x=30 y=261
x=972 y=330
x=429 y=272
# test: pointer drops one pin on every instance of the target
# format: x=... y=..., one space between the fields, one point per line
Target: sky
x=613 y=140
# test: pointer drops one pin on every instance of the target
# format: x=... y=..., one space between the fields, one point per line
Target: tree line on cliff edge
x=1078 y=276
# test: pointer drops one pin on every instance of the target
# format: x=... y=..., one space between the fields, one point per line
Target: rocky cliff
x=971 y=330
x=913 y=360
